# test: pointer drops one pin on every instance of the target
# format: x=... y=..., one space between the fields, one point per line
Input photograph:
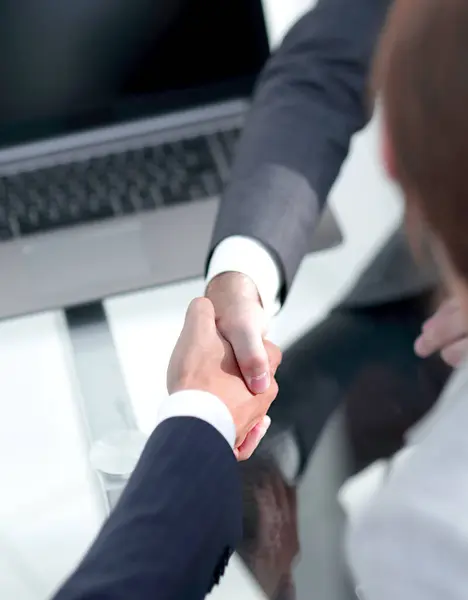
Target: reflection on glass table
x=271 y=537
x=349 y=390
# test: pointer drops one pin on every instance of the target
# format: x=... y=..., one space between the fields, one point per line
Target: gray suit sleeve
x=310 y=100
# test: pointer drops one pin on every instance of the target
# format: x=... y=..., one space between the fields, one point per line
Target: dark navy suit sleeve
x=175 y=526
x=311 y=98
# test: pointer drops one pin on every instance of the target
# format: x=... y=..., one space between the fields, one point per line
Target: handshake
x=203 y=360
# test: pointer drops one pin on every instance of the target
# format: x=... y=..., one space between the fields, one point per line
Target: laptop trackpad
x=95 y=257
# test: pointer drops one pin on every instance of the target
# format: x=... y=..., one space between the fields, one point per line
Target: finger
x=200 y=310
x=271 y=393
x=447 y=308
x=455 y=353
x=253 y=439
x=199 y=331
x=251 y=356
x=274 y=355
x=199 y=318
x=443 y=329
x=449 y=305
x=265 y=400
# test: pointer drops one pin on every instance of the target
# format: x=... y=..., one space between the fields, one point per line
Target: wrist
x=190 y=387
x=231 y=284
x=203 y=405
x=249 y=256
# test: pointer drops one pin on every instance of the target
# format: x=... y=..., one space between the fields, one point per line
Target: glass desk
x=349 y=390
x=69 y=384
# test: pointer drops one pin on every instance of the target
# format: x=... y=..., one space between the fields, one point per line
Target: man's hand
x=241 y=320
x=203 y=360
x=445 y=332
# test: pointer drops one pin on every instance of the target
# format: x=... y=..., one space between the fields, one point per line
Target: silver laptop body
x=45 y=266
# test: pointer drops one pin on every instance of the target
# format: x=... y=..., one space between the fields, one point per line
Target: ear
x=388 y=156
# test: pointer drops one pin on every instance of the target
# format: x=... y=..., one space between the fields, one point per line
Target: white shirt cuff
x=201 y=405
x=250 y=257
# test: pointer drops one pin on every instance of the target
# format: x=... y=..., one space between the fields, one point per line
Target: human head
x=421 y=72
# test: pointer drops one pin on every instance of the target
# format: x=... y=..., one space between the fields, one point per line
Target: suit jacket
x=311 y=98
x=410 y=541
x=172 y=533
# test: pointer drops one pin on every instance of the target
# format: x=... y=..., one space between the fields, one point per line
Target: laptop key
x=196 y=192
x=5 y=233
x=99 y=212
x=126 y=205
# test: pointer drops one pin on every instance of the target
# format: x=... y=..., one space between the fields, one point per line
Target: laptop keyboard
x=114 y=185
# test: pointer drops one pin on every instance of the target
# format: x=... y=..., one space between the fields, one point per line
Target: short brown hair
x=421 y=71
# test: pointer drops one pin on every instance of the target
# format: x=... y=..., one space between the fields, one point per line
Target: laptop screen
x=70 y=65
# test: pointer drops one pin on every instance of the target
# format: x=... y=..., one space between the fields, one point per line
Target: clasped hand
x=203 y=360
x=222 y=351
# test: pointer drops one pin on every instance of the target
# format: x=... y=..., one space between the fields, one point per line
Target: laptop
x=118 y=123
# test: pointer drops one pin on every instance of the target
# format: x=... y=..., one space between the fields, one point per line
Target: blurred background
x=118 y=122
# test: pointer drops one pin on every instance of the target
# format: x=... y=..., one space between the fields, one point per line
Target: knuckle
x=450 y=357
x=202 y=305
x=455 y=353
x=273 y=391
x=238 y=325
x=200 y=311
x=274 y=353
x=194 y=304
x=263 y=406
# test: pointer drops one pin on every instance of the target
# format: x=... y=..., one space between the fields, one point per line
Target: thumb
x=199 y=322
x=252 y=358
x=199 y=318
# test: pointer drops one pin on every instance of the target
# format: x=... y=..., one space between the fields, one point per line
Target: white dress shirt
x=249 y=257
x=409 y=539
x=201 y=405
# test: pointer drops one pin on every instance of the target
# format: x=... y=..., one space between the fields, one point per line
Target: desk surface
x=52 y=502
